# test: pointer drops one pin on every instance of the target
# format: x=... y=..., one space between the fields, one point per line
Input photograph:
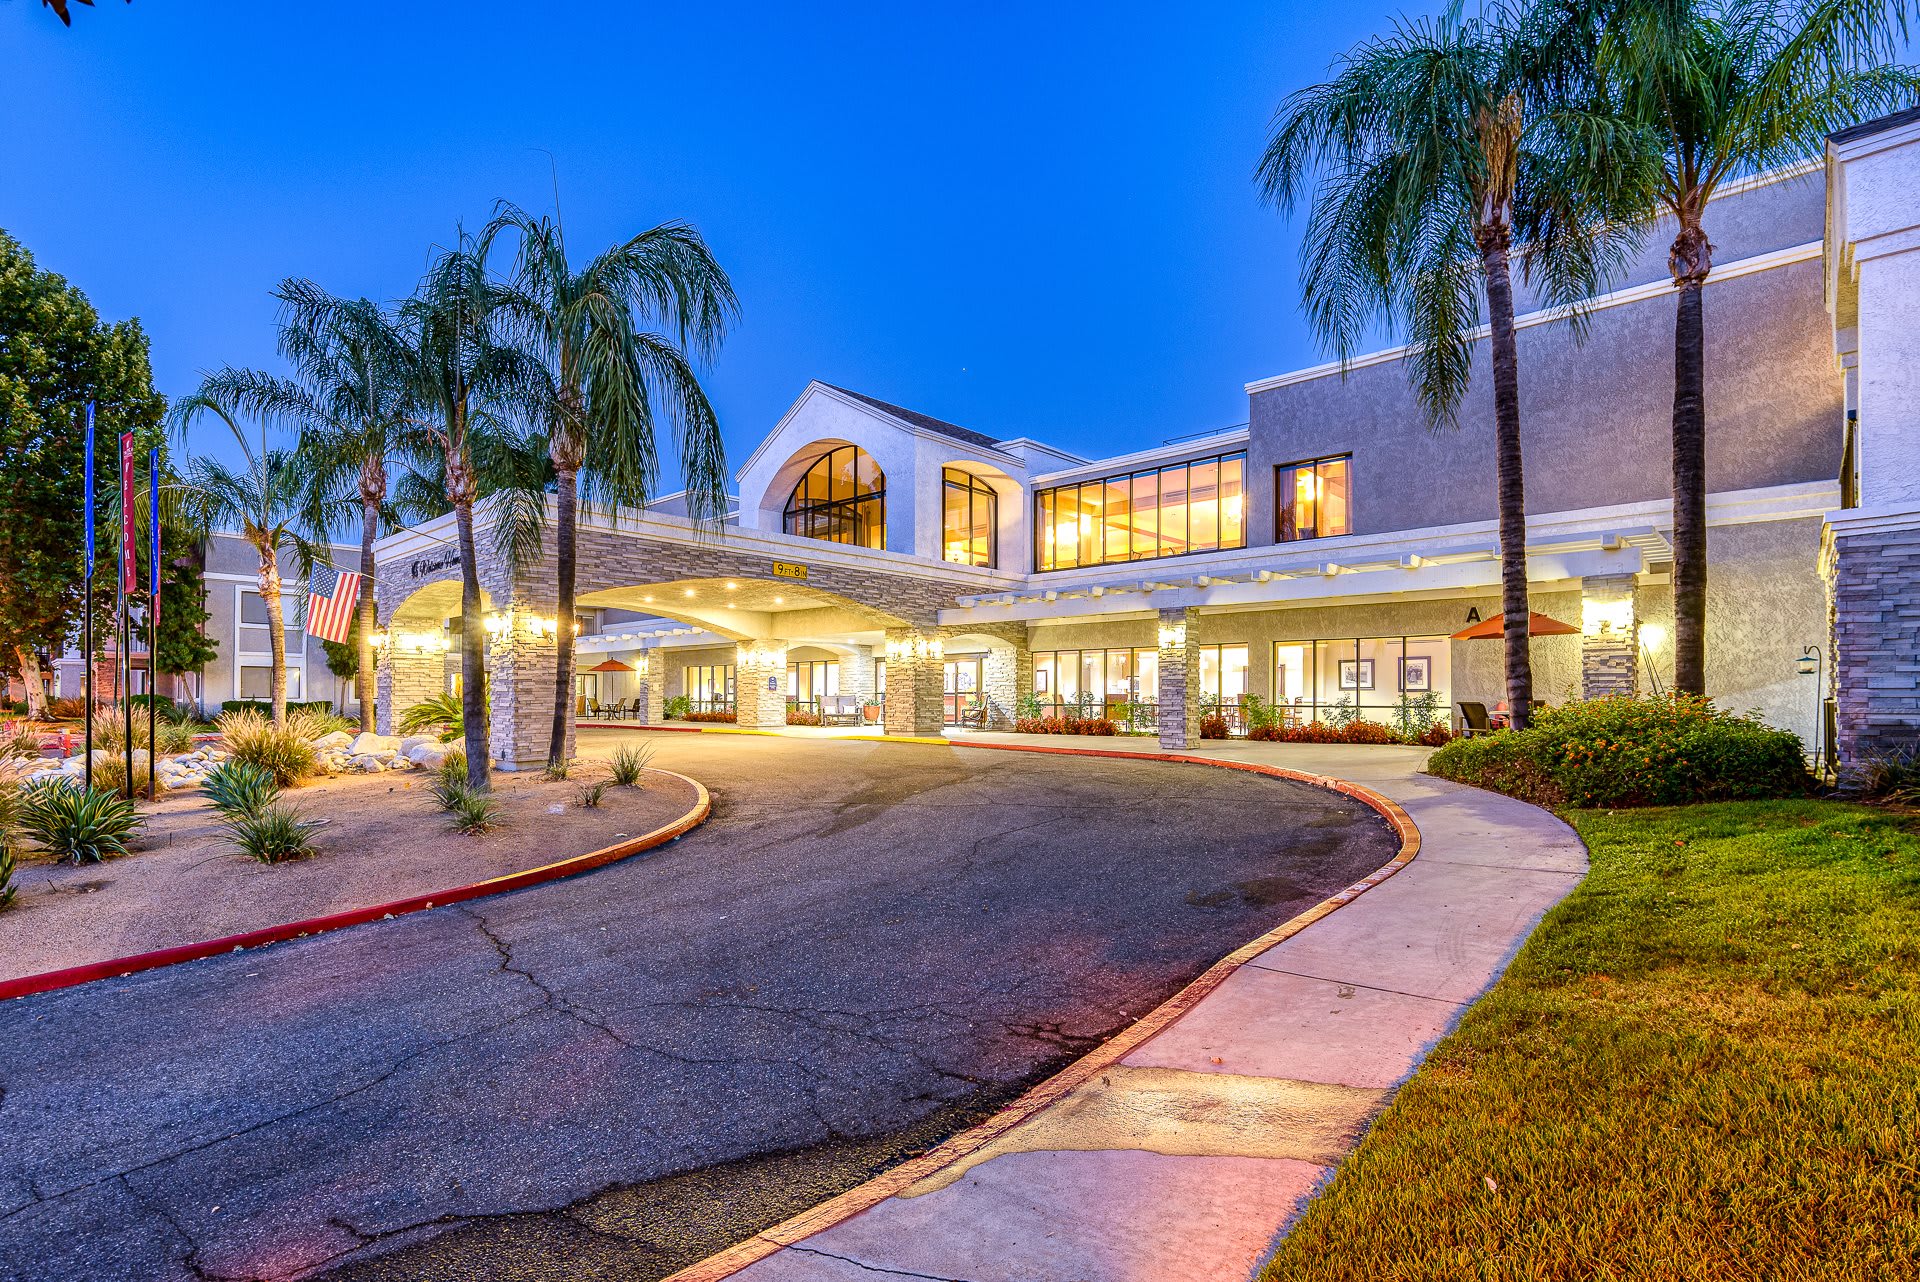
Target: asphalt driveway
x=868 y=946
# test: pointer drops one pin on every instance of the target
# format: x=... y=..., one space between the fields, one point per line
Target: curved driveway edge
x=49 y=981
x=1101 y=1104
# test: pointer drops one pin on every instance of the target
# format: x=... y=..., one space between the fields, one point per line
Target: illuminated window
x=1194 y=506
x=969 y=533
x=842 y=498
x=1314 y=498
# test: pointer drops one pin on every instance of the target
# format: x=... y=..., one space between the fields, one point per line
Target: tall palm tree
x=1433 y=152
x=614 y=380
x=464 y=377
x=262 y=501
x=349 y=404
x=1722 y=89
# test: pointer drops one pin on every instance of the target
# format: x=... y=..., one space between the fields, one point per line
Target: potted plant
x=870 y=711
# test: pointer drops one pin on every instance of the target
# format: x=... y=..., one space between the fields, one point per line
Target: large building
x=1324 y=555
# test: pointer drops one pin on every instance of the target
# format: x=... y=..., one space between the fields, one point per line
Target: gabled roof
x=917 y=419
x=1867 y=128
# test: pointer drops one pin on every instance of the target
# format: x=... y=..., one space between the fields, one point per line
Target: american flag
x=330 y=601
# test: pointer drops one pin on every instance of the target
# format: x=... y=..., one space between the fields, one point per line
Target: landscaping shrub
x=22 y=743
x=284 y=752
x=1891 y=776
x=678 y=706
x=1030 y=725
x=1213 y=726
x=1266 y=734
x=1092 y=726
x=557 y=774
x=8 y=891
x=272 y=834
x=590 y=795
x=1631 y=752
x=729 y=718
x=801 y=717
x=67 y=709
x=239 y=788
x=1360 y=730
x=1028 y=707
x=110 y=732
x=265 y=706
x=629 y=762
x=473 y=812
x=110 y=775
x=69 y=821
x=1434 y=736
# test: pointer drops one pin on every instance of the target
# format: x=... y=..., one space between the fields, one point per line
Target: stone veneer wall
x=1609 y=661
x=759 y=664
x=1876 y=618
x=1177 y=633
x=404 y=679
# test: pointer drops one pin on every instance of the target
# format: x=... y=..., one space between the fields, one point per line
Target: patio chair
x=1473 y=716
x=840 y=710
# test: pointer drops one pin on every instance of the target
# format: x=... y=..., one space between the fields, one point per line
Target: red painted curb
x=72 y=976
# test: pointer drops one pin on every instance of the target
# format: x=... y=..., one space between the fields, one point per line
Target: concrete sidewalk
x=1190 y=1157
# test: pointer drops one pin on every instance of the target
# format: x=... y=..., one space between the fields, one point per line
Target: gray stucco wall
x=232 y=563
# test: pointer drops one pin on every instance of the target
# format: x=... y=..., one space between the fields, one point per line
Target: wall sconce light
x=497 y=623
x=1653 y=635
x=916 y=648
x=1600 y=618
x=548 y=627
x=1172 y=634
x=378 y=640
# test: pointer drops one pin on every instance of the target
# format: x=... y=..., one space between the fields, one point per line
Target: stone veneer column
x=1875 y=577
x=760 y=685
x=1007 y=678
x=403 y=678
x=1179 y=695
x=1609 y=656
x=521 y=666
x=916 y=676
x=651 y=689
x=856 y=673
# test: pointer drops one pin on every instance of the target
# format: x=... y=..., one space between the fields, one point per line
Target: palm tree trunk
x=1514 y=605
x=1691 y=264
x=364 y=680
x=473 y=650
x=276 y=631
x=565 y=542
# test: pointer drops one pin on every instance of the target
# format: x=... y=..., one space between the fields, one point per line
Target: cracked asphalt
x=866 y=948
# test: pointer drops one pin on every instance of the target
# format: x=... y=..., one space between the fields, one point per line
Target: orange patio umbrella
x=1538 y=625
x=610 y=665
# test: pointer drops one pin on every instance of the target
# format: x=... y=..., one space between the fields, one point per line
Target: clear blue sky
x=1026 y=220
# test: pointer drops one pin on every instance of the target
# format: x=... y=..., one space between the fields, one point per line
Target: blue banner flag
x=153 y=524
x=89 y=489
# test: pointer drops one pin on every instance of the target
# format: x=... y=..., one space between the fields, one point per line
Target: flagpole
x=128 y=578
x=86 y=613
x=153 y=623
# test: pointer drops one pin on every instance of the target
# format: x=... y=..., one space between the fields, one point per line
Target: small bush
x=629 y=762
x=67 y=709
x=728 y=717
x=110 y=775
x=801 y=717
x=23 y=744
x=1434 y=736
x=590 y=795
x=83 y=824
x=1631 y=752
x=473 y=812
x=454 y=765
x=557 y=773
x=239 y=788
x=442 y=713
x=1362 y=731
x=8 y=891
x=1213 y=726
x=1892 y=776
x=284 y=752
x=272 y=834
x=265 y=706
x=448 y=785
x=678 y=706
x=1030 y=725
x=1092 y=726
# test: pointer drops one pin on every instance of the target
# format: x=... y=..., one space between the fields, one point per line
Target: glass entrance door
x=962 y=687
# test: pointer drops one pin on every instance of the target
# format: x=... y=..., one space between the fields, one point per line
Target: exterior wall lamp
x=1172 y=634
x=916 y=648
x=1601 y=618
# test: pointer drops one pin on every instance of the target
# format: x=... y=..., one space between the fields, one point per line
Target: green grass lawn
x=1705 y=1064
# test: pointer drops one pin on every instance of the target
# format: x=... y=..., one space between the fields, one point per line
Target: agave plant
x=83 y=824
x=272 y=834
x=630 y=762
x=284 y=751
x=239 y=788
x=473 y=812
x=7 y=889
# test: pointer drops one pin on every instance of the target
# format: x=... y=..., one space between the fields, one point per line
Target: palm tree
x=1434 y=154
x=614 y=380
x=350 y=407
x=1723 y=89
x=262 y=501
x=463 y=376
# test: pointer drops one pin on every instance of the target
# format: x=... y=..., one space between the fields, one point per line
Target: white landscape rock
x=367 y=741
x=333 y=741
x=412 y=741
x=429 y=756
x=367 y=762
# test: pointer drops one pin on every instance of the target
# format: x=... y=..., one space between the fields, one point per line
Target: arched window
x=842 y=499
x=969 y=530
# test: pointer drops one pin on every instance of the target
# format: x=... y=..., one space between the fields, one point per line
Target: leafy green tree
x=264 y=502
x=615 y=381
x=1720 y=89
x=1437 y=155
x=55 y=356
x=183 y=645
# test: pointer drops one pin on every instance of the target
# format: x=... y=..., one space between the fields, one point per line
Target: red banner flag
x=129 y=564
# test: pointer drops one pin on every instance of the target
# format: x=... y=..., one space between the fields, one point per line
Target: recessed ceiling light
x=779 y=600
x=689 y=591
x=732 y=586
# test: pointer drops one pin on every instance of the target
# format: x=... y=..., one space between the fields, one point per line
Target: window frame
x=954 y=480
x=1091 y=504
x=803 y=516
x=1283 y=479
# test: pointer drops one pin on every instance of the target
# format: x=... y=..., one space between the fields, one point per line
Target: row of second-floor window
x=970 y=519
x=1193 y=506
x=1313 y=499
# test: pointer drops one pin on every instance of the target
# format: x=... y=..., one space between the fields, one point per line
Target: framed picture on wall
x=1040 y=681
x=1416 y=675
x=1356 y=674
